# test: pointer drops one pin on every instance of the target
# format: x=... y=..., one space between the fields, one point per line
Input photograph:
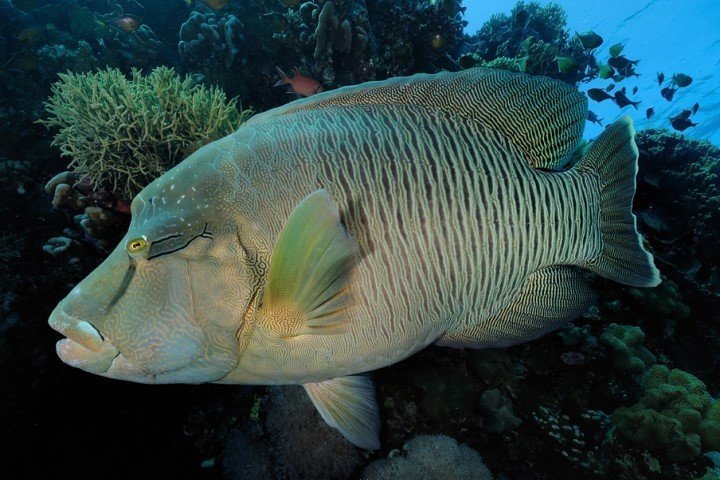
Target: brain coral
x=430 y=457
x=124 y=132
x=304 y=445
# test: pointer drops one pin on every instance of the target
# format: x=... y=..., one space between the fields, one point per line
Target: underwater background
x=97 y=98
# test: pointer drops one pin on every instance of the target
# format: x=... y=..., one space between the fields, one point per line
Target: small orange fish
x=29 y=36
x=300 y=84
x=125 y=23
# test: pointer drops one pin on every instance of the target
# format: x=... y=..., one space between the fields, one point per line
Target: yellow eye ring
x=135 y=246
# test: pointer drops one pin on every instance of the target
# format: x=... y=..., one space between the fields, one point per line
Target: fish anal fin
x=348 y=404
x=307 y=289
x=549 y=298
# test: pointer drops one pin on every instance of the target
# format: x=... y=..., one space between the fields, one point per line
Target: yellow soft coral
x=124 y=132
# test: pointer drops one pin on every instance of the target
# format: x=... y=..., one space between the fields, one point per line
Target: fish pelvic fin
x=614 y=158
x=348 y=405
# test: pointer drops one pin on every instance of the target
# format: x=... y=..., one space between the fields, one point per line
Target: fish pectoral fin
x=548 y=298
x=348 y=405
x=308 y=282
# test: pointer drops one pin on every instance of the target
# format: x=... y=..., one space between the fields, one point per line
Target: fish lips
x=84 y=347
x=110 y=363
x=92 y=361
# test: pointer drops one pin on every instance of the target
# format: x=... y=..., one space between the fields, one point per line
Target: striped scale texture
x=542 y=117
x=450 y=217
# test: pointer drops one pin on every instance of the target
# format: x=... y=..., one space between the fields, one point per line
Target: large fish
x=342 y=233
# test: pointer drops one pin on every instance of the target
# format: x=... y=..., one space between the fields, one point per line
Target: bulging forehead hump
x=191 y=192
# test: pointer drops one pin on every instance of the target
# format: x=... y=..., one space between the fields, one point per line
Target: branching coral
x=209 y=38
x=675 y=414
x=332 y=37
x=122 y=133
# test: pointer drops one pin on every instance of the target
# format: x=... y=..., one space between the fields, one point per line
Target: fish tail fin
x=284 y=79
x=613 y=157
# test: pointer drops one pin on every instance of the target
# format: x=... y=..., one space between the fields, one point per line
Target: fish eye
x=135 y=246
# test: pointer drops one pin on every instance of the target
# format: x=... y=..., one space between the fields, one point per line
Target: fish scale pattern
x=450 y=217
x=496 y=99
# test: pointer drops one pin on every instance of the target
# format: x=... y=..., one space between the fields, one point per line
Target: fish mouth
x=76 y=355
x=84 y=347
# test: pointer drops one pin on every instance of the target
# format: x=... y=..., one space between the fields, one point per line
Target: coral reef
x=244 y=457
x=416 y=36
x=211 y=38
x=497 y=368
x=304 y=445
x=675 y=414
x=15 y=174
x=332 y=38
x=678 y=204
x=570 y=440
x=530 y=40
x=582 y=337
x=60 y=58
x=447 y=393
x=497 y=411
x=627 y=351
x=139 y=48
x=349 y=41
x=122 y=133
x=432 y=457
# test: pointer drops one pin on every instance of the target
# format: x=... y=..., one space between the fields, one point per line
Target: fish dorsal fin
x=549 y=298
x=545 y=118
x=348 y=404
x=307 y=287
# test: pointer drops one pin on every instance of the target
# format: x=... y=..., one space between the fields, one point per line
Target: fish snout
x=78 y=331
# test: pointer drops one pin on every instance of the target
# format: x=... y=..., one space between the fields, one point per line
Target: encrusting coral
x=676 y=414
x=627 y=351
x=124 y=132
x=497 y=411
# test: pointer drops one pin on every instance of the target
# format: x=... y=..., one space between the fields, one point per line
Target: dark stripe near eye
x=203 y=234
x=169 y=237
